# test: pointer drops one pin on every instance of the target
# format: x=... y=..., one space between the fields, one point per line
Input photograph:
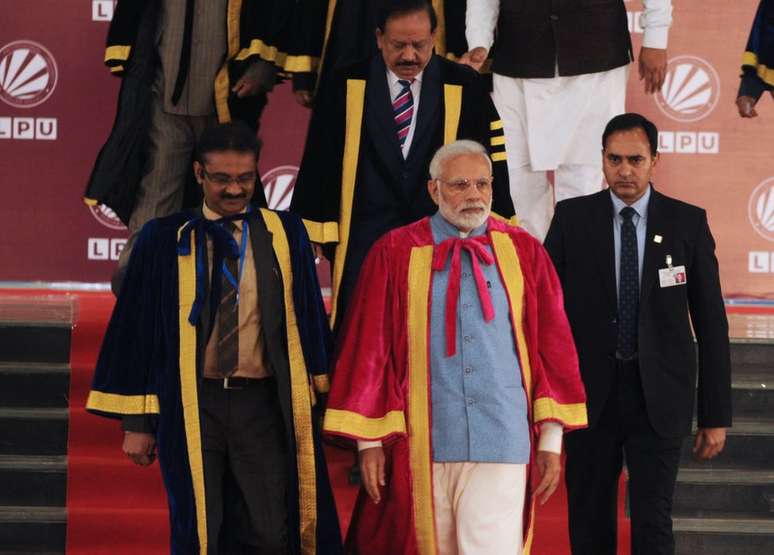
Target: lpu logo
x=691 y=89
x=278 y=185
x=28 y=78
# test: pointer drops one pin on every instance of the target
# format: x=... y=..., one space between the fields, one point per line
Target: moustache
x=408 y=64
x=228 y=196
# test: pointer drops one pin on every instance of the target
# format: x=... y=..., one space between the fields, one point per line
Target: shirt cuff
x=656 y=37
x=362 y=445
x=550 y=437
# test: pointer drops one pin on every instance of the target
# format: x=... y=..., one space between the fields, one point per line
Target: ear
x=379 y=39
x=656 y=158
x=197 y=168
x=432 y=189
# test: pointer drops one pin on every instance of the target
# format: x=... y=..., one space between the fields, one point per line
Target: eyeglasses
x=483 y=184
x=224 y=180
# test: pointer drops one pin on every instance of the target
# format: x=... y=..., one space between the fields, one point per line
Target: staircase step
x=34 y=385
x=754 y=353
x=724 y=535
x=752 y=393
x=703 y=492
x=33 y=481
x=39 y=431
x=33 y=529
x=46 y=342
x=749 y=444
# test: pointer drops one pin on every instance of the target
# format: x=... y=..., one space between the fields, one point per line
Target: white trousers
x=534 y=198
x=479 y=508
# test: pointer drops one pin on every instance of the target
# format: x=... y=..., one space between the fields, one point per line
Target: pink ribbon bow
x=477 y=250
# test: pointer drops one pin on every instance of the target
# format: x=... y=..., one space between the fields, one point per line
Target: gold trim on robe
x=117 y=53
x=222 y=79
x=420 y=441
x=572 y=414
x=765 y=73
x=322 y=232
x=300 y=392
x=186 y=269
x=115 y=403
x=356 y=425
x=452 y=99
x=354 y=122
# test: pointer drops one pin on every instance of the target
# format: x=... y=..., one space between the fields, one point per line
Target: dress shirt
x=252 y=352
x=481 y=22
x=416 y=89
x=640 y=221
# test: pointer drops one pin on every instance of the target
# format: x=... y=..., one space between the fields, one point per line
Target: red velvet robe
x=381 y=384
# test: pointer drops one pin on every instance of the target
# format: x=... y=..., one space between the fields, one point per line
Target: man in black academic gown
x=373 y=133
x=215 y=357
x=185 y=66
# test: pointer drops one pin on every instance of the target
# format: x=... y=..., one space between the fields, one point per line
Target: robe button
x=468 y=370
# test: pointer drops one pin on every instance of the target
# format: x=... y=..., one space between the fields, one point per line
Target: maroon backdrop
x=57 y=103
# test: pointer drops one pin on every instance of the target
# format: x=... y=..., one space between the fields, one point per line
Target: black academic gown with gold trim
x=151 y=364
x=354 y=184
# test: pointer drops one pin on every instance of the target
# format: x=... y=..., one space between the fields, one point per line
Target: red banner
x=57 y=103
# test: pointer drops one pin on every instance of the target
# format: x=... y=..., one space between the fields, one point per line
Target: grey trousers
x=171 y=142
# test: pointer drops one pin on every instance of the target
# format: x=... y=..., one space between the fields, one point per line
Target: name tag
x=674 y=275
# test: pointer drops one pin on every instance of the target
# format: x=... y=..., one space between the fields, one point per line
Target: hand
x=372 y=472
x=746 y=106
x=247 y=86
x=318 y=252
x=549 y=466
x=475 y=58
x=652 y=65
x=709 y=443
x=304 y=98
x=140 y=447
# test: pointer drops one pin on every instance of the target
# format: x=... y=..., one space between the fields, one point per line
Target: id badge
x=672 y=275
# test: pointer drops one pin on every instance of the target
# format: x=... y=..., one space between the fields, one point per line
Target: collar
x=445 y=230
x=210 y=214
x=393 y=79
x=641 y=206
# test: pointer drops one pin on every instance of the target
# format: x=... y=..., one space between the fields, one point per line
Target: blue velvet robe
x=151 y=359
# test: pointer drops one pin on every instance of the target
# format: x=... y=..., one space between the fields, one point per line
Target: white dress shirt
x=481 y=21
x=416 y=89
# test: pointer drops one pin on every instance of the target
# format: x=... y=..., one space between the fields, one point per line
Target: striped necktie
x=403 y=110
x=228 y=318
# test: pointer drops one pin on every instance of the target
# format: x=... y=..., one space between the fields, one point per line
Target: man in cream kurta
x=560 y=73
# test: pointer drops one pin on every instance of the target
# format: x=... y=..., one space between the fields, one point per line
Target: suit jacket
x=354 y=184
x=580 y=242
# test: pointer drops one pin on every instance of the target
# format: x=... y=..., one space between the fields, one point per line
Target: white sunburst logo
x=106 y=217
x=760 y=209
x=691 y=89
x=28 y=74
x=278 y=185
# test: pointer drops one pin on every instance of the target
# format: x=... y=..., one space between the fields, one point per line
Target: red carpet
x=118 y=508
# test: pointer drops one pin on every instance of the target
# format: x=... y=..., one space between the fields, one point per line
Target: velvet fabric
x=139 y=370
x=371 y=396
x=759 y=53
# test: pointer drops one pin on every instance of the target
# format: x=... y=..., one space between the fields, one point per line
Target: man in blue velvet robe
x=213 y=358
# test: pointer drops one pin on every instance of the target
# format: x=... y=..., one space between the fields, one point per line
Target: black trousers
x=594 y=461
x=245 y=469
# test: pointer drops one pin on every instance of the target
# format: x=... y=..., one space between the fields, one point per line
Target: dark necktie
x=628 y=287
x=228 y=316
x=403 y=110
x=185 y=53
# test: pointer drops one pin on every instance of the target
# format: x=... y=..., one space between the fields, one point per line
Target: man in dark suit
x=373 y=133
x=634 y=264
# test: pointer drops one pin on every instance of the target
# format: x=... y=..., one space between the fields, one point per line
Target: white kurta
x=559 y=120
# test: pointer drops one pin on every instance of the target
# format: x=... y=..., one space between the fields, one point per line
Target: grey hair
x=452 y=150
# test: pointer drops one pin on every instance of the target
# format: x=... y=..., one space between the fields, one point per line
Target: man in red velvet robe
x=456 y=373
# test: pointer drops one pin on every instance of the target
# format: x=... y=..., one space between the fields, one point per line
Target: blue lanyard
x=242 y=249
